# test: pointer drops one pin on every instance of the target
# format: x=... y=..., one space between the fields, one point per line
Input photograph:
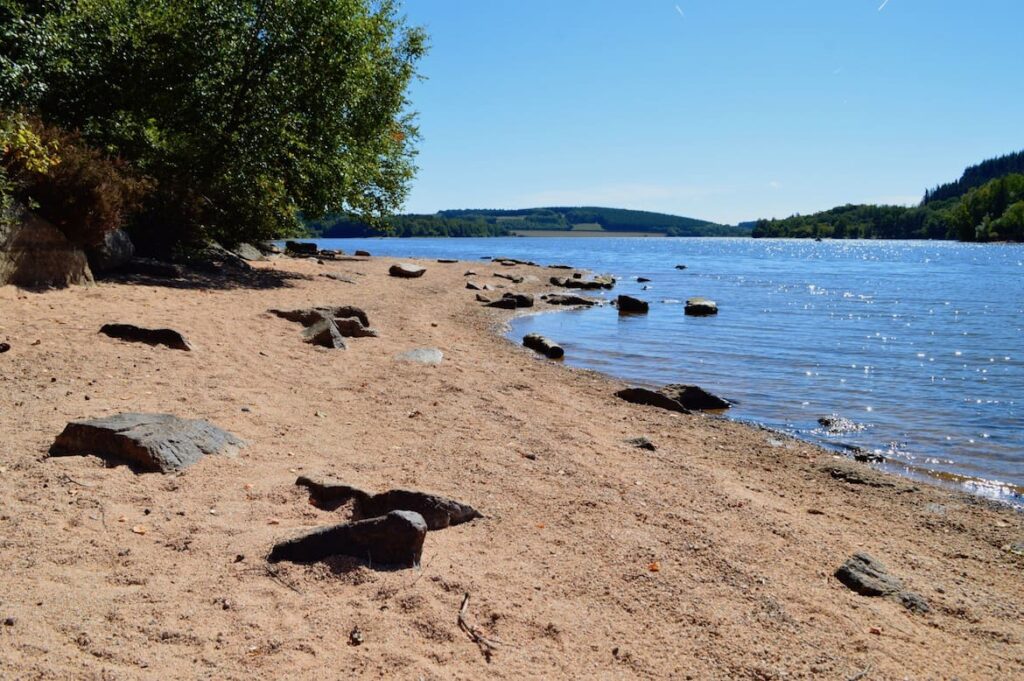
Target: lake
x=921 y=344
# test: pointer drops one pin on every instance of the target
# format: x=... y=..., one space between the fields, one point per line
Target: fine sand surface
x=746 y=526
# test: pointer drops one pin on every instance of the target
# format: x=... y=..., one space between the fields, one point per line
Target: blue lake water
x=922 y=343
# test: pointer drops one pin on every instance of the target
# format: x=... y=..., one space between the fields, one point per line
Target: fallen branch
x=487 y=646
x=280 y=580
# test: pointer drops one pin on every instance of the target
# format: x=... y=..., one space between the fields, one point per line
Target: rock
x=680 y=267
x=700 y=307
x=512 y=261
x=694 y=397
x=249 y=252
x=310 y=315
x=4 y=347
x=430 y=356
x=631 y=305
x=362 y=254
x=470 y=273
x=642 y=442
x=324 y=333
x=651 y=398
x=837 y=425
x=642 y=280
x=561 y=267
x=212 y=257
x=511 y=277
x=269 y=248
x=914 y=602
x=151 y=267
x=352 y=327
x=34 y=253
x=511 y=301
x=147 y=442
x=577 y=275
x=406 y=271
x=589 y=285
x=300 y=249
x=481 y=298
x=112 y=252
x=337 y=277
x=547 y=347
x=331 y=253
x=473 y=286
x=560 y=299
x=854 y=474
x=394 y=539
x=129 y=332
x=438 y=512
x=10 y=621
x=447 y=261
x=868 y=577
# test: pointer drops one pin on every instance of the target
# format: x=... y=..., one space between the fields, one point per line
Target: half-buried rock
x=437 y=511
x=395 y=539
x=147 y=442
x=512 y=301
x=406 y=271
x=325 y=333
x=129 y=332
x=651 y=398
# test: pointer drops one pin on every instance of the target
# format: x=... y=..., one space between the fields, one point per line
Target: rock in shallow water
x=148 y=442
x=700 y=307
x=631 y=305
x=543 y=345
x=394 y=539
x=651 y=398
x=694 y=397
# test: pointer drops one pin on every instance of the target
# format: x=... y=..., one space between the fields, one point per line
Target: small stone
x=355 y=637
x=642 y=442
x=10 y=621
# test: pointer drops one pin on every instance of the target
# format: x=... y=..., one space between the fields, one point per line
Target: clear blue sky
x=726 y=110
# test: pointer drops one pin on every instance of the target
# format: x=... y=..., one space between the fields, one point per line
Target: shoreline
x=745 y=533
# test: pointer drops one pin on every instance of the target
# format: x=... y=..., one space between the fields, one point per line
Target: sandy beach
x=712 y=557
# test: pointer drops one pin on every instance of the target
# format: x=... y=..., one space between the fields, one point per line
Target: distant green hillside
x=487 y=222
x=985 y=204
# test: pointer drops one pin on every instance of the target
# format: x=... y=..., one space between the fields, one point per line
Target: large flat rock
x=160 y=443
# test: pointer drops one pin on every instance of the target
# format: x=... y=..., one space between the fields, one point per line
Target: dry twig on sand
x=487 y=646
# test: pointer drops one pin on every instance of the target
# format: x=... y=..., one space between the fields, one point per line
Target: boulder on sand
x=694 y=397
x=362 y=254
x=700 y=307
x=300 y=249
x=129 y=332
x=34 y=253
x=543 y=345
x=324 y=333
x=113 y=251
x=249 y=252
x=651 y=398
x=406 y=271
x=148 y=442
x=394 y=539
x=310 y=315
x=511 y=301
x=631 y=305
x=867 y=576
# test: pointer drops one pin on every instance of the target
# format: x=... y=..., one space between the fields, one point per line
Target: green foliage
x=991 y=212
x=246 y=113
x=23 y=155
x=976 y=176
x=483 y=222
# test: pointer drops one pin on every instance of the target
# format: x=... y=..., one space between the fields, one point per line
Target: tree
x=246 y=113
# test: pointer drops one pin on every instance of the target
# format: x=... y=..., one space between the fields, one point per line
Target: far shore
x=710 y=554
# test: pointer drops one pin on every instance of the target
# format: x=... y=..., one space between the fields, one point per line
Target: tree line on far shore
x=498 y=222
x=985 y=204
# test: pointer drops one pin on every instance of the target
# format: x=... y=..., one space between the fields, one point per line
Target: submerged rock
x=148 y=442
x=129 y=332
x=569 y=299
x=394 y=539
x=406 y=271
x=837 y=425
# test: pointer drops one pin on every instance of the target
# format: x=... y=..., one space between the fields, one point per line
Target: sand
x=712 y=557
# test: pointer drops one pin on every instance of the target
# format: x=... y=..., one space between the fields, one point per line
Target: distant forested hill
x=985 y=204
x=487 y=222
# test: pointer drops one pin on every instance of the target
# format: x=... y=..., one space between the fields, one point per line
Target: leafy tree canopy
x=245 y=113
